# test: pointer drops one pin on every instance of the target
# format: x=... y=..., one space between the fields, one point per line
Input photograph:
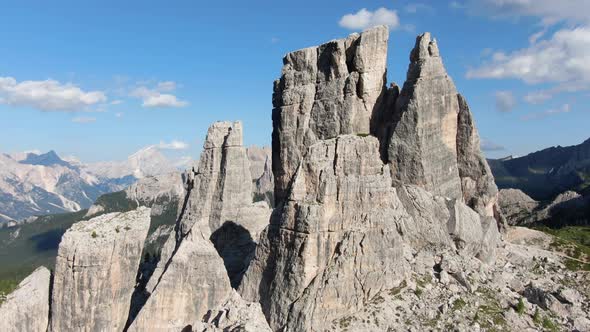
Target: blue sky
x=100 y=80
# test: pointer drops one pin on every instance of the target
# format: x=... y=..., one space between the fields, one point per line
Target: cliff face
x=348 y=205
x=323 y=92
x=27 y=308
x=214 y=240
x=95 y=272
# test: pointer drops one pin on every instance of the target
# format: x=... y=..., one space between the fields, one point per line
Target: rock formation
x=95 y=272
x=568 y=208
x=345 y=218
x=323 y=92
x=27 y=308
x=264 y=186
x=200 y=262
x=386 y=218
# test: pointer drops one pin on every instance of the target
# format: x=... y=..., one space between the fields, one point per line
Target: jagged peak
x=224 y=134
x=426 y=47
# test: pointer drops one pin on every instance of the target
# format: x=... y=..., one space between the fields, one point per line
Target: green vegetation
x=548 y=324
x=573 y=241
x=418 y=292
x=490 y=315
x=28 y=246
x=6 y=287
x=537 y=317
x=520 y=308
x=94 y=234
x=116 y=202
x=459 y=304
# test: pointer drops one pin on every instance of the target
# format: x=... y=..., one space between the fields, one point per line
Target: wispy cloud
x=487 y=145
x=364 y=19
x=565 y=108
x=505 y=101
x=173 y=145
x=83 y=119
x=48 y=95
x=158 y=96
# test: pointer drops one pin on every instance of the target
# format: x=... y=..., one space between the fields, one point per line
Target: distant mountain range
x=38 y=184
x=545 y=174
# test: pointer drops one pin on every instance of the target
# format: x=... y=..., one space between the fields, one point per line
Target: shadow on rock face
x=236 y=247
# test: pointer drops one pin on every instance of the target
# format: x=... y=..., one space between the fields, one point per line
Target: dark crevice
x=50 y=300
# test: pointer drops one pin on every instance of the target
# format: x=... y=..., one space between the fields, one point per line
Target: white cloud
x=83 y=119
x=565 y=108
x=505 y=101
x=364 y=19
x=173 y=145
x=487 y=145
x=563 y=59
x=154 y=97
x=549 y=11
x=119 y=115
x=48 y=95
x=116 y=102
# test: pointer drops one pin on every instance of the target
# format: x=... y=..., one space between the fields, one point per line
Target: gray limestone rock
x=422 y=149
x=477 y=182
x=264 y=185
x=95 y=272
x=334 y=244
x=27 y=307
x=323 y=92
x=215 y=236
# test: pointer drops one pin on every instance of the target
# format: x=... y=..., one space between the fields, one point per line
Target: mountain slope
x=38 y=184
x=545 y=174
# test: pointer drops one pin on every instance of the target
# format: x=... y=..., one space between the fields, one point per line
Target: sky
x=99 y=80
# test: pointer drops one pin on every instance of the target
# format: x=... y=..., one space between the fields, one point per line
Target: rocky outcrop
x=258 y=159
x=214 y=240
x=351 y=208
x=568 y=208
x=264 y=185
x=434 y=142
x=27 y=308
x=323 y=92
x=157 y=192
x=339 y=220
x=422 y=149
x=477 y=182
x=234 y=315
x=95 y=272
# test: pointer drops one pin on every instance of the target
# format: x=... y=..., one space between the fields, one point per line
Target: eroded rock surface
x=27 y=308
x=351 y=208
x=95 y=272
x=323 y=92
x=215 y=237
